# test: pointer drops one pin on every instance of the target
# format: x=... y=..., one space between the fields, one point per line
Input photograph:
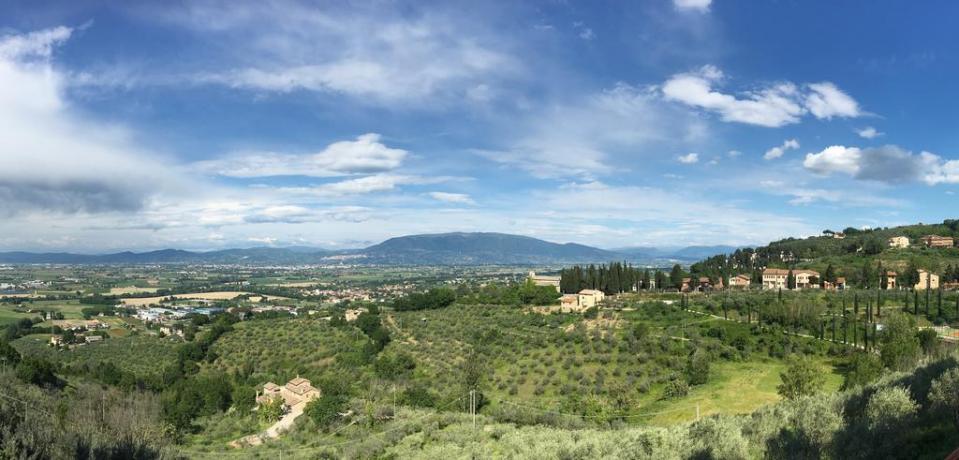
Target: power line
x=547 y=411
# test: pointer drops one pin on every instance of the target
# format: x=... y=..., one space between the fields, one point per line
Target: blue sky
x=209 y=124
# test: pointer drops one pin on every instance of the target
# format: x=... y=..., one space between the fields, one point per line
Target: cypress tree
x=915 y=303
x=855 y=304
x=939 y=302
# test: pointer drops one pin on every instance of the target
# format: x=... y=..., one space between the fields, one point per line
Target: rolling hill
x=430 y=249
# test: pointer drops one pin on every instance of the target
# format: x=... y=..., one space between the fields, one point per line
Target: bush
x=325 y=409
x=801 y=378
x=675 y=388
x=697 y=367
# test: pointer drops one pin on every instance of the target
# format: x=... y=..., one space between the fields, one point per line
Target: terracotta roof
x=299 y=381
x=270 y=386
x=775 y=272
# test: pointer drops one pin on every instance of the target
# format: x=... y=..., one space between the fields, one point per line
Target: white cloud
x=778 y=151
x=825 y=100
x=380 y=54
x=688 y=158
x=868 y=133
x=55 y=160
x=887 y=164
x=364 y=155
x=459 y=198
x=833 y=159
x=37 y=44
x=734 y=153
x=775 y=105
x=694 y=5
x=805 y=196
x=581 y=139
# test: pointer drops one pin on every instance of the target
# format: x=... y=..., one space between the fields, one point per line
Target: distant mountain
x=683 y=254
x=430 y=249
x=253 y=256
x=481 y=248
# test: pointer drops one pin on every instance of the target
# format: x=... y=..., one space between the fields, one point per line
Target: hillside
x=481 y=248
x=856 y=255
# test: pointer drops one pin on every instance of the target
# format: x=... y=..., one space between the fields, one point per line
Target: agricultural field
x=540 y=360
x=279 y=349
x=142 y=355
x=222 y=295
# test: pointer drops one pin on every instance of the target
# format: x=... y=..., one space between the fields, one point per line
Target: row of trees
x=614 y=278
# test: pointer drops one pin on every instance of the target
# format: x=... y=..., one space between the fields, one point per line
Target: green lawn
x=733 y=388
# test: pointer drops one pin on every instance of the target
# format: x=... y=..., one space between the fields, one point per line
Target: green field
x=140 y=354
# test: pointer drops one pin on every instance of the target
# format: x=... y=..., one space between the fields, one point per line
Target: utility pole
x=473 y=406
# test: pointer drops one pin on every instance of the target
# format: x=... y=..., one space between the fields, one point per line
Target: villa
x=936 y=241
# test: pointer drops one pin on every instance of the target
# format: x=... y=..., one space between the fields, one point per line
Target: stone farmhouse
x=587 y=298
x=296 y=391
x=900 y=242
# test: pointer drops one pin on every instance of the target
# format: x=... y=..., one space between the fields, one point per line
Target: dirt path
x=274 y=431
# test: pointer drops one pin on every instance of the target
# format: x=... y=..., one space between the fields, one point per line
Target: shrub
x=675 y=388
x=801 y=378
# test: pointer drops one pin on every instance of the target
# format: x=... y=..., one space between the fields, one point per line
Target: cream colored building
x=806 y=279
x=901 y=242
x=775 y=278
x=927 y=280
x=543 y=280
x=589 y=298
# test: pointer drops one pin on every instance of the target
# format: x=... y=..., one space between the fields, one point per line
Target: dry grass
x=130 y=290
x=220 y=295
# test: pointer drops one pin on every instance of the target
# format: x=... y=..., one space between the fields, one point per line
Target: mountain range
x=430 y=249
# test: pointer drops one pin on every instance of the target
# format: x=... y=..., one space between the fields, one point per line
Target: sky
x=214 y=124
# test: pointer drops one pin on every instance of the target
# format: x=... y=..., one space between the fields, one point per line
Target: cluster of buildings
x=929 y=241
x=585 y=299
x=295 y=392
x=777 y=278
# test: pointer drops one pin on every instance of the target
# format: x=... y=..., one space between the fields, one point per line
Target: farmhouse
x=927 y=280
x=296 y=391
x=589 y=298
x=900 y=242
x=543 y=280
x=936 y=241
x=739 y=281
